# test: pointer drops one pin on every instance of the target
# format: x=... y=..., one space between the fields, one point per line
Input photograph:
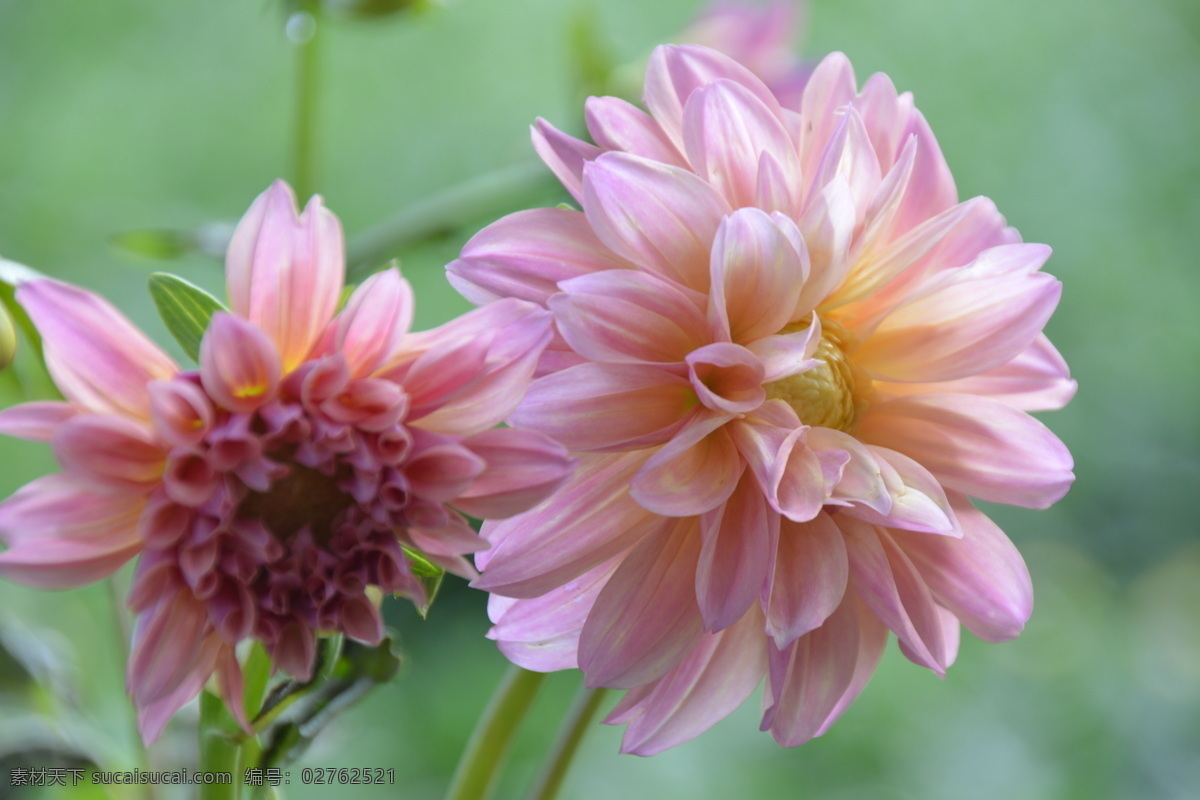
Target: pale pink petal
x=588 y=521
x=114 y=453
x=607 y=406
x=858 y=480
x=1036 y=380
x=885 y=113
x=523 y=468
x=848 y=154
x=718 y=674
x=442 y=472
x=35 y=421
x=660 y=217
x=756 y=277
x=239 y=366
x=645 y=619
x=827 y=228
x=809 y=677
x=694 y=472
x=624 y=315
x=96 y=356
x=526 y=254
x=375 y=319
x=918 y=502
x=975 y=445
x=564 y=155
x=809 y=580
x=153 y=715
x=831 y=87
x=675 y=71
x=61 y=533
x=964 y=322
x=787 y=354
x=285 y=271
x=886 y=580
x=981 y=577
x=735 y=556
x=542 y=633
x=931 y=189
x=727 y=377
x=872 y=637
x=775 y=191
x=618 y=125
x=726 y=130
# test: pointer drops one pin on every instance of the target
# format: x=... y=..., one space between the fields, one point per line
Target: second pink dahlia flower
x=787 y=357
x=265 y=493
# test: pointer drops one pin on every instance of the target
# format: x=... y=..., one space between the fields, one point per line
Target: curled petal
x=95 y=355
x=727 y=377
x=918 y=502
x=285 y=271
x=238 y=364
x=181 y=411
x=694 y=472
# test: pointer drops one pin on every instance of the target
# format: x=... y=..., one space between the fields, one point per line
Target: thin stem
x=124 y=631
x=477 y=769
x=303 y=30
x=576 y=725
x=485 y=196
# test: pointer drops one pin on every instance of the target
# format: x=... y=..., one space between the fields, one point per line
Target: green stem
x=573 y=730
x=303 y=28
x=476 y=774
x=484 y=196
x=217 y=752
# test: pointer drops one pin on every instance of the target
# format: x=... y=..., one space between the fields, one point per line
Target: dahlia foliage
x=265 y=493
x=786 y=356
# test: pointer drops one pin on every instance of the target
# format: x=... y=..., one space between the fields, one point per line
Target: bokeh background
x=1081 y=119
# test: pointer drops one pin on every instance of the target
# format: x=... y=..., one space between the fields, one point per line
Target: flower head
x=786 y=356
x=265 y=492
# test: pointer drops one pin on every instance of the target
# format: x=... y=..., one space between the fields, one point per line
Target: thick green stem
x=573 y=729
x=303 y=30
x=217 y=752
x=485 y=196
x=478 y=766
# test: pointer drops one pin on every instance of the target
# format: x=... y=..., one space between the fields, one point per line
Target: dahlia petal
x=606 y=406
x=714 y=679
x=809 y=581
x=96 y=356
x=775 y=192
x=726 y=130
x=361 y=620
x=588 y=521
x=375 y=319
x=797 y=480
x=859 y=481
x=886 y=580
x=675 y=71
x=809 y=677
x=526 y=254
x=918 y=502
x=645 y=619
x=111 y=452
x=827 y=228
x=758 y=437
x=181 y=411
x=872 y=637
x=523 y=469
x=727 y=377
x=564 y=155
x=442 y=472
x=787 y=354
x=624 y=315
x=616 y=124
x=735 y=555
x=285 y=271
x=885 y=114
x=964 y=322
x=231 y=686
x=442 y=371
x=975 y=445
x=931 y=190
x=694 y=472
x=168 y=646
x=542 y=633
x=239 y=366
x=756 y=277
x=35 y=421
x=831 y=87
x=153 y=715
x=295 y=651
x=61 y=533
x=660 y=217
x=848 y=154
x=981 y=578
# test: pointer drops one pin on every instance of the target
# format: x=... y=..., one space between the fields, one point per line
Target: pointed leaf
x=185 y=309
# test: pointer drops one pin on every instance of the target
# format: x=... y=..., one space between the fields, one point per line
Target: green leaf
x=256 y=673
x=185 y=309
x=428 y=574
x=218 y=750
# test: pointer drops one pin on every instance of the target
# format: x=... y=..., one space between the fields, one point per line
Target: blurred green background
x=1080 y=118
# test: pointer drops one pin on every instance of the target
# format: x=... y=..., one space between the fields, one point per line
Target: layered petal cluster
x=787 y=357
x=267 y=491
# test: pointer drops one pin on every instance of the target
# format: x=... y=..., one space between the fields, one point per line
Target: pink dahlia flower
x=761 y=36
x=267 y=491
x=787 y=356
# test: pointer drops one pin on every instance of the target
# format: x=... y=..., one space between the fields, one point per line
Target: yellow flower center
x=833 y=394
